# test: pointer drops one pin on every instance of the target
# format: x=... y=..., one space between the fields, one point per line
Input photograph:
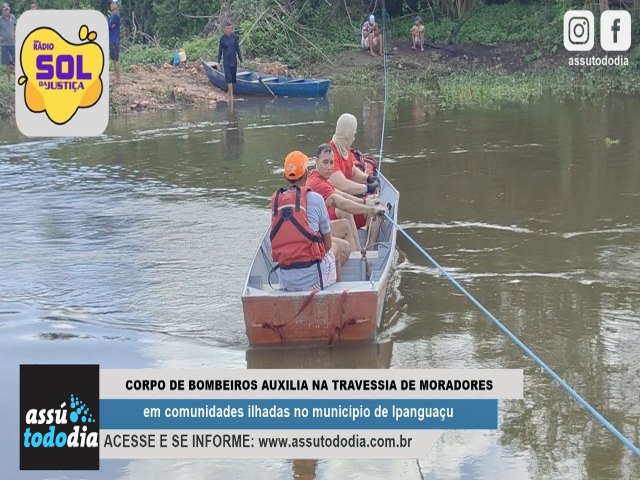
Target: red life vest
x=293 y=243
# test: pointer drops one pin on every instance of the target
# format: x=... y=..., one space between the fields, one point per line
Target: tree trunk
x=604 y=5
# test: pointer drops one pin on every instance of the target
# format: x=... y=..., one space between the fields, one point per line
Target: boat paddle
x=267 y=86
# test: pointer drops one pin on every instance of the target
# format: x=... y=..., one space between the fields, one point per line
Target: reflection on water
x=376 y=355
x=130 y=250
x=233 y=136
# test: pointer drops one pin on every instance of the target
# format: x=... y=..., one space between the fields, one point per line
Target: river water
x=130 y=250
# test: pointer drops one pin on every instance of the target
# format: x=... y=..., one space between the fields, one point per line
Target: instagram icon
x=578 y=30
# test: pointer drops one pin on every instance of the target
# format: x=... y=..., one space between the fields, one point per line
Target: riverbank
x=456 y=76
x=168 y=87
x=477 y=75
x=146 y=88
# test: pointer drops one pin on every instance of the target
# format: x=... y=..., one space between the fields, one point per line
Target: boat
x=249 y=82
x=350 y=310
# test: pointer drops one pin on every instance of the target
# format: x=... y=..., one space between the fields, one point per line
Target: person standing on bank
x=7 y=39
x=417 y=34
x=228 y=49
x=114 y=39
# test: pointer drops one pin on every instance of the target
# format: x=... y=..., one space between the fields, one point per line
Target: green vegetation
x=515 y=22
x=483 y=88
x=487 y=90
x=7 y=95
x=316 y=36
x=527 y=31
x=145 y=55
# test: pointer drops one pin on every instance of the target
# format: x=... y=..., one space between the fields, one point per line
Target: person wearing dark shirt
x=7 y=39
x=114 y=39
x=228 y=49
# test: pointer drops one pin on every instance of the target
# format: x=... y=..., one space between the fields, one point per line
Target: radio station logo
x=62 y=73
x=59 y=428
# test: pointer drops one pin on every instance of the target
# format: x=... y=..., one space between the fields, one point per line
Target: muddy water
x=130 y=250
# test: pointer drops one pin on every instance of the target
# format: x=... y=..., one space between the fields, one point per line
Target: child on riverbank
x=417 y=34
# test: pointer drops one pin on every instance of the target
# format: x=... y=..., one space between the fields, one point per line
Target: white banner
x=352 y=383
x=292 y=444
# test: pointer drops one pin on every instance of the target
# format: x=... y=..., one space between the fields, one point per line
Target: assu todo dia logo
x=62 y=73
x=59 y=427
x=74 y=412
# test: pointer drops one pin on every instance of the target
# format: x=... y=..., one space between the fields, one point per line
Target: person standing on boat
x=340 y=205
x=307 y=256
x=346 y=176
x=114 y=38
x=228 y=49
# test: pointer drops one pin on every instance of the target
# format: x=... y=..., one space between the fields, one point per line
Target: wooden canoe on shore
x=349 y=310
x=249 y=82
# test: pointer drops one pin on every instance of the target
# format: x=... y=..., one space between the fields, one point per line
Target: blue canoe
x=253 y=83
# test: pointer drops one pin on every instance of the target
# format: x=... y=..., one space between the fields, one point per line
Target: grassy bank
x=502 y=54
x=505 y=54
x=7 y=98
x=444 y=84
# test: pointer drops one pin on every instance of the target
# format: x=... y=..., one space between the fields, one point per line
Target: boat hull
x=253 y=83
x=340 y=316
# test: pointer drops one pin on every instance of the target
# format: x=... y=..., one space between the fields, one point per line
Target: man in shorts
x=114 y=39
x=371 y=36
x=307 y=256
x=7 y=39
x=417 y=34
x=228 y=49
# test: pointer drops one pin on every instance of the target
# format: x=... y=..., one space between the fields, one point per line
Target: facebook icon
x=615 y=30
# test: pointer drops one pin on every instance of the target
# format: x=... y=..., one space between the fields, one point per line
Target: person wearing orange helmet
x=306 y=255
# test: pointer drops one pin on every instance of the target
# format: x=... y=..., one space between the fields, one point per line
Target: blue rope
x=625 y=441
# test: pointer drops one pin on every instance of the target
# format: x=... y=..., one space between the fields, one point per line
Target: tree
x=604 y=5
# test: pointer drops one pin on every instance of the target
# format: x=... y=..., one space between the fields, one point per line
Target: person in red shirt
x=346 y=176
x=341 y=205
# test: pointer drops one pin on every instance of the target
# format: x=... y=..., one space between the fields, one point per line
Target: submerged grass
x=484 y=89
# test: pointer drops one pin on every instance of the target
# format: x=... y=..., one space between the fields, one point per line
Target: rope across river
x=537 y=360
